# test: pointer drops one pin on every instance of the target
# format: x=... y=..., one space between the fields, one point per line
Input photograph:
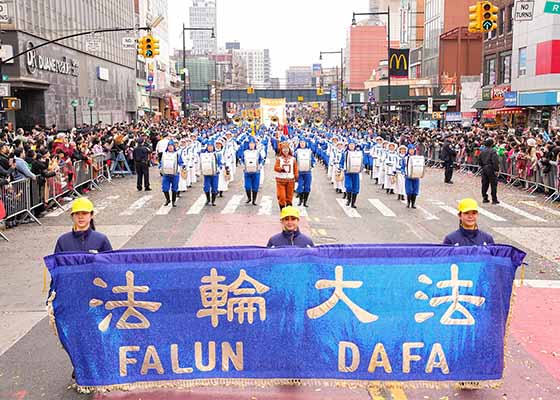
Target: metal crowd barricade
x=16 y=197
x=100 y=169
x=57 y=186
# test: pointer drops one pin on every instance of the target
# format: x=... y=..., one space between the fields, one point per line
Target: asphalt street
x=34 y=366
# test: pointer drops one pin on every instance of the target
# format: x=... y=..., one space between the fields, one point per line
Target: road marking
x=450 y=210
x=382 y=208
x=198 y=205
x=164 y=210
x=302 y=211
x=349 y=211
x=428 y=215
x=232 y=204
x=59 y=211
x=106 y=202
x=540 y=207
x=521 y=212
x=322 y=232
x=138 y=204
x=490 y=215
x=266 y=206
x=539 y=283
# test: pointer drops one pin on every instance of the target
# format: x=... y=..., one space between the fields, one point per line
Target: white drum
x=169 y=164
x=208 y=164
x=354 y=161
x=304 y=160
x=251 y=158
x=415 y=167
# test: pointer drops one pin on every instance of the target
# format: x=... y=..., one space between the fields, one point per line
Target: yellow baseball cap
x=466 y=205
x=82 y=205
x=289 y=211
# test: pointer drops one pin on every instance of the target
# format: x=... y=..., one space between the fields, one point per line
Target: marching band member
x=376 y=154
x=224 y=170
x=352 y=163
x=196 y=149
x=230 y=151
x=305 y=162
x=412 y=185
x=338 y=174
x=169 y=170
x=381 y=160
x=253 y=162
x=401 y=172
x=390 y=161
x=331 y=156
x=210 y=165
x=286 y=174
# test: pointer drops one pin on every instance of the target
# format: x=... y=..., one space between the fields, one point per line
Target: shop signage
x=552 y=7
x=430 y=104
x=558 y=97
x=453 y=117
x=499 y=91
x=4 y=89
x=437 y=115
x=4 y=16
x=443 y=107
x=422 y=107
x=102 y=74
x=64 y=66
x=524 y=10
x=486 y=94
x=510 y=99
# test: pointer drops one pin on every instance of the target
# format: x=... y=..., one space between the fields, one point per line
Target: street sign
x=4 y=17
x=6 y=52
x=150 y=78
x=74 y=103
x=91 y=103
x=552 y=7
x=487 y=25
x=149 y=88
x=524 y=10
x=443 y=107
x=437 y=115
x=128 y=43
x=4 y=89
x=300 y=98
x=430 y=105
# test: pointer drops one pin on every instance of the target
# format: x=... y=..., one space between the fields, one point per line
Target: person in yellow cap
x=290 y=235
x=83 y=236
x=468 y=233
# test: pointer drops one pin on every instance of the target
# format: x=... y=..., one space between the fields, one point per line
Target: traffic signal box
x=320 y=91
x=483 y=17
x=250 y=90
x=148 y=46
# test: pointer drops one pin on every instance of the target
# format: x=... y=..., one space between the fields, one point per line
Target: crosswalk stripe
x=539 y=283
x=232 y=204
x=106 y=202
x=164 y=210
x=59 y=211
x=351 y=212
x=541 y=207
x=302 y=211
x=450 y=210
x=266 y=206
x=198 y=205
x=382 y=208
x=521 y=212
x=138 y=204
x=490 y=215
x=427 y=215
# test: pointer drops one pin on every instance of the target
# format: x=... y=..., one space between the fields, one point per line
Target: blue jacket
x=84 y=241
x=287 y=239
x=468 y=237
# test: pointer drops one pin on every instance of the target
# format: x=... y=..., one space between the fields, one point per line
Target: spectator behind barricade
x=290 y=235
x=22 y=170
x=6 y=163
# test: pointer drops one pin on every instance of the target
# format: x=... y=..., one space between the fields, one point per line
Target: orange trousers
x=285 y=192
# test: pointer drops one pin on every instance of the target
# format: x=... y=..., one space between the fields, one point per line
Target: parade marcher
x=210 y=165
x=390 y=164
x=290 y=235
x=488 y=161
x=401 y=172
x=468 y=233
x=305 y=162
x=83 y=236
x=375 y=156
x=381 y=161
x=141 y=155
x=184 y=173
x=253 y=163
x=169 y=169
x=448 y=155
x=352 y=163
x=338 y=174
x=286 y=175
x=225 y=169
x=161 y=145
x=411 y=185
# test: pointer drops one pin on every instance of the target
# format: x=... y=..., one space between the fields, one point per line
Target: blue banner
x=352 y=313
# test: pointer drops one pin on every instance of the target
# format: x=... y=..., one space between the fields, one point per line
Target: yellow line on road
x=397 y=393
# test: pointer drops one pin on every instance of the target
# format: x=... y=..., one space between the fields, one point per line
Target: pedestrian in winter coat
x=290 y=235
x=488 y=161
x=468 y=233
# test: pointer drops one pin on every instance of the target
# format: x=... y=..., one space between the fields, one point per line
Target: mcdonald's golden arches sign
x=398 y=63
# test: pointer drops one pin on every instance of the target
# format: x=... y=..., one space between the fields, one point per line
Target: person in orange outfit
x=286 y=175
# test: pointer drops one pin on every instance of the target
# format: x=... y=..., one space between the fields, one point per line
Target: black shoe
x=248 y=193
x=408 y=201
x=495 y=202
x=139 y=189
x=221 y=194
x=486 y=201
x=354 y=197
x=147 y=189
x=392 y=191
x=301 y=195
x=214 y=195
x=305 y=198
x=255 y=198
x=207 y=198
x=167 y=200
x=174 y=196
x=413 y=201
x=344 y=196
x=348 y=199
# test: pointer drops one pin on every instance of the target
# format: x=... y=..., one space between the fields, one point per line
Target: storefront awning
x=481 y=105
x=509 y=110
x=489 y=104
x=489 y=114
x=495 y=104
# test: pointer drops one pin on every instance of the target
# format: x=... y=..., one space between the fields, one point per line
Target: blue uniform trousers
x=211 y=183
x=352 y=183
x=412 y=186
x=170 y=182
x=304 y=182
x=252 y=181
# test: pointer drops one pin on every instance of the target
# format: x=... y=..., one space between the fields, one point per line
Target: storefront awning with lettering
x=489 y=104
x=509 y=110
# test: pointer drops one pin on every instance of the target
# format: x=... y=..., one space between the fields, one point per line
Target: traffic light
x=140 y=46
x=155 y=47
x=320 y=91
x=250 y=90
x=475 y=17
x=148 y=46
x=489 y=16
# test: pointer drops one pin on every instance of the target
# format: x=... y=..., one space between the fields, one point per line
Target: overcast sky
x=293 y=30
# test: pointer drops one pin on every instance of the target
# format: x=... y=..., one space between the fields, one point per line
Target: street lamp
x=341 y=52
x=213 y=36
x=388 y=14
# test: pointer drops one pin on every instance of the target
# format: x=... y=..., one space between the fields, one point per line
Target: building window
x=510 y=17
x=522 y=61
x=490 y=71
x=501 y=21
x=505 y=68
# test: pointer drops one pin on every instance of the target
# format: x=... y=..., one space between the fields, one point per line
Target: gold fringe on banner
x=50 y=313
x=267 y=383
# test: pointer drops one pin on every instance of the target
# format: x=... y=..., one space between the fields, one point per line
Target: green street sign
x=487 y=25
x=443 y=107
x=5 y=78
x=422 y=107
x=74 y=103
x=552 y=7
x=91 y=103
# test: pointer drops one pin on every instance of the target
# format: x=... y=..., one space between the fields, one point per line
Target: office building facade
x=203 y=14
